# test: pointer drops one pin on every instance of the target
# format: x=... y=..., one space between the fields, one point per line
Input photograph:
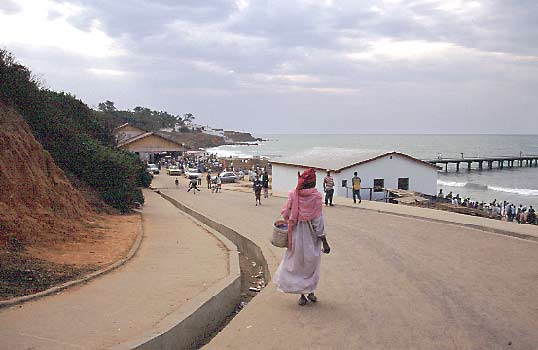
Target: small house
x=378 y=170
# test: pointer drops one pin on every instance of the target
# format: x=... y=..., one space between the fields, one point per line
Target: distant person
x=441 y=195
x=531 y=216
x=356 y=185
x=177 y=182
x=449 y=195
x=218 y=184
x=199 y=180
x=208 y=178
x=299 y=271
x=328 y=187
x=193 y=185
x=265 y=184
x=257 y=187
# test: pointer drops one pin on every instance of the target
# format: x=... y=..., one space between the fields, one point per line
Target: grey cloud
x=141 y=18
x=278 y=59
x=9 y=7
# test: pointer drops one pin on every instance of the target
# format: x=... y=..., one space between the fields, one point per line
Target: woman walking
x=298 y=272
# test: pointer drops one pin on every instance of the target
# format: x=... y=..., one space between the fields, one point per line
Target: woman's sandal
x=312 y=297
x=302 y=300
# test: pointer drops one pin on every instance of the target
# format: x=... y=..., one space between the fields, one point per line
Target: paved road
x=176 y=262
x=390 y=282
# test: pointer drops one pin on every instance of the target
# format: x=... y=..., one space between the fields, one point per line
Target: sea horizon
x=516 y=185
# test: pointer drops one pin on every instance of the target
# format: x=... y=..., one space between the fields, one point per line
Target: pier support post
x=480 y=165
x=490 y=164
x=501 y=164
x=469 y=166
x=446 y=167
x=458 y=166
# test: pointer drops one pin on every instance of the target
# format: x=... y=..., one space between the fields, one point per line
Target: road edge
x=184 y=328
x=56 y=289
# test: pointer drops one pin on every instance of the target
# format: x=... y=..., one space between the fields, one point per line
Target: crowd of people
x=202 y=162
x=210 y=164
x=496 y=209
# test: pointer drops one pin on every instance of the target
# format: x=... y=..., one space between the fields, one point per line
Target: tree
x=107 y=106
x=188 y=117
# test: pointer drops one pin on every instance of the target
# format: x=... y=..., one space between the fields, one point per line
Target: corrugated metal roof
x=337 y=159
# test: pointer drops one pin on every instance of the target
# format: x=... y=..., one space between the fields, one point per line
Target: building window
x=403 y=183
x=379 y=184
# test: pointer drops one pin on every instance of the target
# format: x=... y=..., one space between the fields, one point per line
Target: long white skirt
x=298 y=272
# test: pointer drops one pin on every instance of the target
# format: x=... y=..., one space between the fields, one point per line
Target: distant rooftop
x=336 y=159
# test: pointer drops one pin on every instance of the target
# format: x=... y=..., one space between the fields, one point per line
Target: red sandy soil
x=49 y=233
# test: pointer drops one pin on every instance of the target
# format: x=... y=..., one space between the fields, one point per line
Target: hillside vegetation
x=80 y=143
x=141 y=117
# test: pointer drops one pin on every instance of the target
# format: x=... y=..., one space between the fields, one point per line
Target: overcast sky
x=329 y=66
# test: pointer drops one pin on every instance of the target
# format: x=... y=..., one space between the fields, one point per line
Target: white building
x=378 y=170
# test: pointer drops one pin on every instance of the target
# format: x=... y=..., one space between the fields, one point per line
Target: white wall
x=422 y=178
x=284 y=178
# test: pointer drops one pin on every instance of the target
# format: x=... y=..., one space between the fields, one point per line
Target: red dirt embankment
x=49 y=233
x=37 y=201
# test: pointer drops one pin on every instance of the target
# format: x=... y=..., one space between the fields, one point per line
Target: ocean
x=516 y=185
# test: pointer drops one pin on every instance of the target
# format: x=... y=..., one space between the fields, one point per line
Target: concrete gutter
x=243 y=244
x=59 y=288
x=190 y=324
x=186 y=327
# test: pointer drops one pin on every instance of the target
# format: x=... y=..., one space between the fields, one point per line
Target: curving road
x=391 y=282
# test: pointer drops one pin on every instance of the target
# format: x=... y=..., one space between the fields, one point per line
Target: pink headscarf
x=303 y=204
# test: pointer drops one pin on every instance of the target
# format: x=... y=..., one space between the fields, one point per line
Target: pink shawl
x=302 y=205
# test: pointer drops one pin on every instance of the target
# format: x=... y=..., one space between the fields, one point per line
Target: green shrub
x=77 y=139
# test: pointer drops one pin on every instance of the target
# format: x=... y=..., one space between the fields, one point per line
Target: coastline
x=517 y=185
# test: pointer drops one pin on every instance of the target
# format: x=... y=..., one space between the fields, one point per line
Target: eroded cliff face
x=37 y=201
x=237 y=136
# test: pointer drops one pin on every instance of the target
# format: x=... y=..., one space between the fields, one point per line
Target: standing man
x=218 y=184
x=265 y=184
x=328 y=187
x=257 y=187
x=208 y=178
x=356 y=183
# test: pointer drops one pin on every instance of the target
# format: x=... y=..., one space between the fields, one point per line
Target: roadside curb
x=512 y=234
x=87 y=278
x=191 y=323
x=493 y=230
x=184 y=328
x=242 y=243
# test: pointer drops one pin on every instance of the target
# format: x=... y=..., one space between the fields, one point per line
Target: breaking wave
x=451 y=183
x=520 y=191
x=472 y=185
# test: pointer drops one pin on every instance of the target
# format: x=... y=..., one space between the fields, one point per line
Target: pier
x=500 y=162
